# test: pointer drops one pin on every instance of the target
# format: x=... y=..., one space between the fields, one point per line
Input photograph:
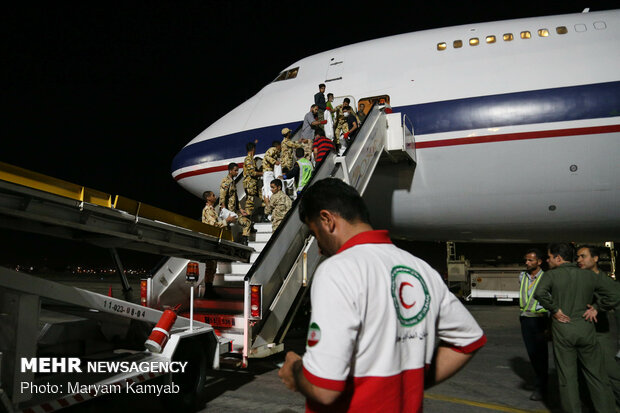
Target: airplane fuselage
x=517 y=127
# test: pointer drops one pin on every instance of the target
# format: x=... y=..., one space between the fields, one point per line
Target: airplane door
x=334 y=70
x=409 y=138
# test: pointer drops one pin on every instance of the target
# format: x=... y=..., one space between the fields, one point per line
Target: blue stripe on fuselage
x=599 y=100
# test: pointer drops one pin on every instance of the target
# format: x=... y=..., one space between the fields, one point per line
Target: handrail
x=273 y=264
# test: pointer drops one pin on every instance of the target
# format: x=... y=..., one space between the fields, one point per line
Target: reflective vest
x=305 y=172
x=526 y=301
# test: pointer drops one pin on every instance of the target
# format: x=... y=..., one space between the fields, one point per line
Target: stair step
x=258 y=246
x=240 y=268
x=263 y=227
x=262 y=236
x=234 y=277
x=230 y=292
x=254 y=256
x=219 y=305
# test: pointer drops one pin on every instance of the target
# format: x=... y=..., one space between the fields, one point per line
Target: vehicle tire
x=192 y=391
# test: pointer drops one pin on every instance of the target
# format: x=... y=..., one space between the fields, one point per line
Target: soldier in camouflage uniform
x=287 y=149
x=229 y=200
x=250 y=178
x=342 y=126
x=271 y=158
x=278 y=205
x=210 y=217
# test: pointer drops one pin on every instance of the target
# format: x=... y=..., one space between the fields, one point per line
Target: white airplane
x=517 y=127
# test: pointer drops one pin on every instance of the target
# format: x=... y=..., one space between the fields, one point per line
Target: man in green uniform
x=229 y=201
x=587 y=258
x=565 y=291
x=250 y=178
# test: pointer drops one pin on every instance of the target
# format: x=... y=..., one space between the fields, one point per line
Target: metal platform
x=36 y=203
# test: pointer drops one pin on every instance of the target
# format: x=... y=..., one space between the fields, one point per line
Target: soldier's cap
x=285 y=131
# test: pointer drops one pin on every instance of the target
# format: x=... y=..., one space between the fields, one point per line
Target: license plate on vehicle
x=220 y=320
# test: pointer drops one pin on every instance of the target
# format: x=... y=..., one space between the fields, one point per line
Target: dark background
x=104 y=94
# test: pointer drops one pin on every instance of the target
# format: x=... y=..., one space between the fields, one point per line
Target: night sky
x=105 y=94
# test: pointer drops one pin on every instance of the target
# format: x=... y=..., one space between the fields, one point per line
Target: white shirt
x=376 y=312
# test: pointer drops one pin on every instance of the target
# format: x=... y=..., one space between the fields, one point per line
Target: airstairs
x=259 y=298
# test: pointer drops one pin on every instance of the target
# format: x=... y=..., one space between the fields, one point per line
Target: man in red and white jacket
x=376 y=313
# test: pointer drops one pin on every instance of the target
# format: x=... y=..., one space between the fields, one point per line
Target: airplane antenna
x=586 y=10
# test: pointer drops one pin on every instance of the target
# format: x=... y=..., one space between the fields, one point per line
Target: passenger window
x=600 y=25
x=474 y=41
x=580 y=28
x=561 y=30
x=457 y=44
x=526 y=35
x=543 y=33
x=490 y=39
x=508 y=37
x=442 y=46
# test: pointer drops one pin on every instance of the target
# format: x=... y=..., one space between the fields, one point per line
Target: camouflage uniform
x=287 y=153
x=209 y=217
x=308 y=149
x=342 y=126
x=250 y=183
x=278 y=206
x=229 y=200
x=271 y=157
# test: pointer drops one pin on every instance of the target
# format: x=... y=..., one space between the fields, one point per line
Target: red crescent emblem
x=400 y=295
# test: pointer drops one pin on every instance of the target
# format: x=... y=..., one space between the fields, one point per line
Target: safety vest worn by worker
x=305 y=172
x=526 y=301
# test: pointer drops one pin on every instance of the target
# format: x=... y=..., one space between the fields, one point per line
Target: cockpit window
x=287 y=74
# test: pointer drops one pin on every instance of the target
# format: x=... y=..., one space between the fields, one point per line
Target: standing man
x=250 y=178
x=534 y=322
x=287 y=147
x=329 y=117
x=307 y=127
x=278 y=205
x=321 y=147
x=587 y=259
x=565 y=291
x=229 y=201
x=352 y=125
x=319 y=100
x=270 y=160
x=376 y=311
x=301 y=172
x=209 y=217
x=341 y=122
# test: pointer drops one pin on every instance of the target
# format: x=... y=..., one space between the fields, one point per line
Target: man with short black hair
x=376 y=312
x=270 y=160
x=310 y=122
x=566 y=291
x=534 y=320
x=230 y=202
x=250 y=178
x=322 y=146
x=319 y=100
x=278 y=205
x=587 y=259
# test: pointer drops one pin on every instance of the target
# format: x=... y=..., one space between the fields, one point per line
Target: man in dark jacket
x=319 y=100
x=566 y=291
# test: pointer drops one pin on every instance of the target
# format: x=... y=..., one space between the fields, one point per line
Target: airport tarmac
x=492 y=382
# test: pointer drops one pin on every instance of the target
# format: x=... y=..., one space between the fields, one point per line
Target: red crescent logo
x=400 y=295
